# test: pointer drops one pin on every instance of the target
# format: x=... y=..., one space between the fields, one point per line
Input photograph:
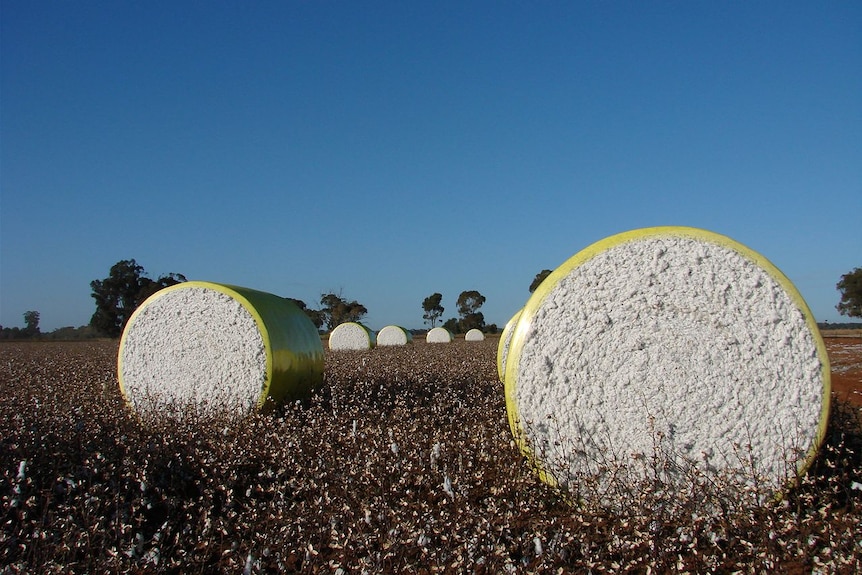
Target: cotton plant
x=296 y=491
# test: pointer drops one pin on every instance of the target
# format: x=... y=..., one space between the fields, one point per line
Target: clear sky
x=390 y=150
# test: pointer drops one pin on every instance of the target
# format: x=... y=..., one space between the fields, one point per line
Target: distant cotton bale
x=438 y=335
x=667 y=341
x=214 y=348
x=351 y=335
x=474 y=335
x=394 y=335
x=503 y=345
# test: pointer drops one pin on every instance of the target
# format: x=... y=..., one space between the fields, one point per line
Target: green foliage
x=31 y=321
x=468 y=304
x=12 y=333
x=119 y=295
x=850 y=287
x=827 y=326
x=70 y=333
x=29 y=331
x=452 y=325
x=336 y=310
x=314 y=315
x=540 y=277
x=432 y=308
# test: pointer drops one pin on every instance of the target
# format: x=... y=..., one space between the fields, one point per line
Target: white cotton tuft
x=435 y=454
x=447 y=487
x=537 y=546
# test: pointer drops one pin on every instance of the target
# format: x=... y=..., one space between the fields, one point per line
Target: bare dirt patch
x=845 y=357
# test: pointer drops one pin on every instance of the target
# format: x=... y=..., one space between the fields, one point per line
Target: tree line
x=127 y=286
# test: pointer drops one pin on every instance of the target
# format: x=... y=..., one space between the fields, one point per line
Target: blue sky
x=390 y=150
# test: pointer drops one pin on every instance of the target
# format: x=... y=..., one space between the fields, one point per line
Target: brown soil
x=845 y=357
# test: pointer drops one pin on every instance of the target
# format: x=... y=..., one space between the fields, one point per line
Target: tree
x=314 y=315
x=336 y=310
x=31 y=321
x=453 y=325
x=537 y=281
x=432 y=308
x=850 y=287
x=468 y=304
x=119 y=295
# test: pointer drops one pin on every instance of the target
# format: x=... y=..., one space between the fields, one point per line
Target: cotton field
x=402 y=462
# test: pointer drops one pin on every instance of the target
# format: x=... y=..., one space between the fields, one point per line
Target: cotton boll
x=435 y=454
x=447 y=487
x=537 y=546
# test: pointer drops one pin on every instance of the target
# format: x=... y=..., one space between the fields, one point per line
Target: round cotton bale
x=351 y=336
x=217 y=348
x=394 y=335
x=505 y=341
x=474 y=335
x=438 y=335
x=668 y=341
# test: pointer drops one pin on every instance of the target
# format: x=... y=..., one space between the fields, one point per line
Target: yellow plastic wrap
x=504 y=343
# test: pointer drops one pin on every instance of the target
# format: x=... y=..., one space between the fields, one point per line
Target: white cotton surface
x=350 y=336
x=193 y=347
x=393 y=335
x=474 y=335
x=438 y=335
x=669 y=343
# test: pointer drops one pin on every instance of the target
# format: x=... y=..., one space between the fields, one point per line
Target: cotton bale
x=474 y=335
x=217 y=348
x=505 y=341
x=394 y=335
x=351 y=336
x=668 y=341
x=438 y=335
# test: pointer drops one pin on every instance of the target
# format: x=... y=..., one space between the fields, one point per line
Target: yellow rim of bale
x=501 y=345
